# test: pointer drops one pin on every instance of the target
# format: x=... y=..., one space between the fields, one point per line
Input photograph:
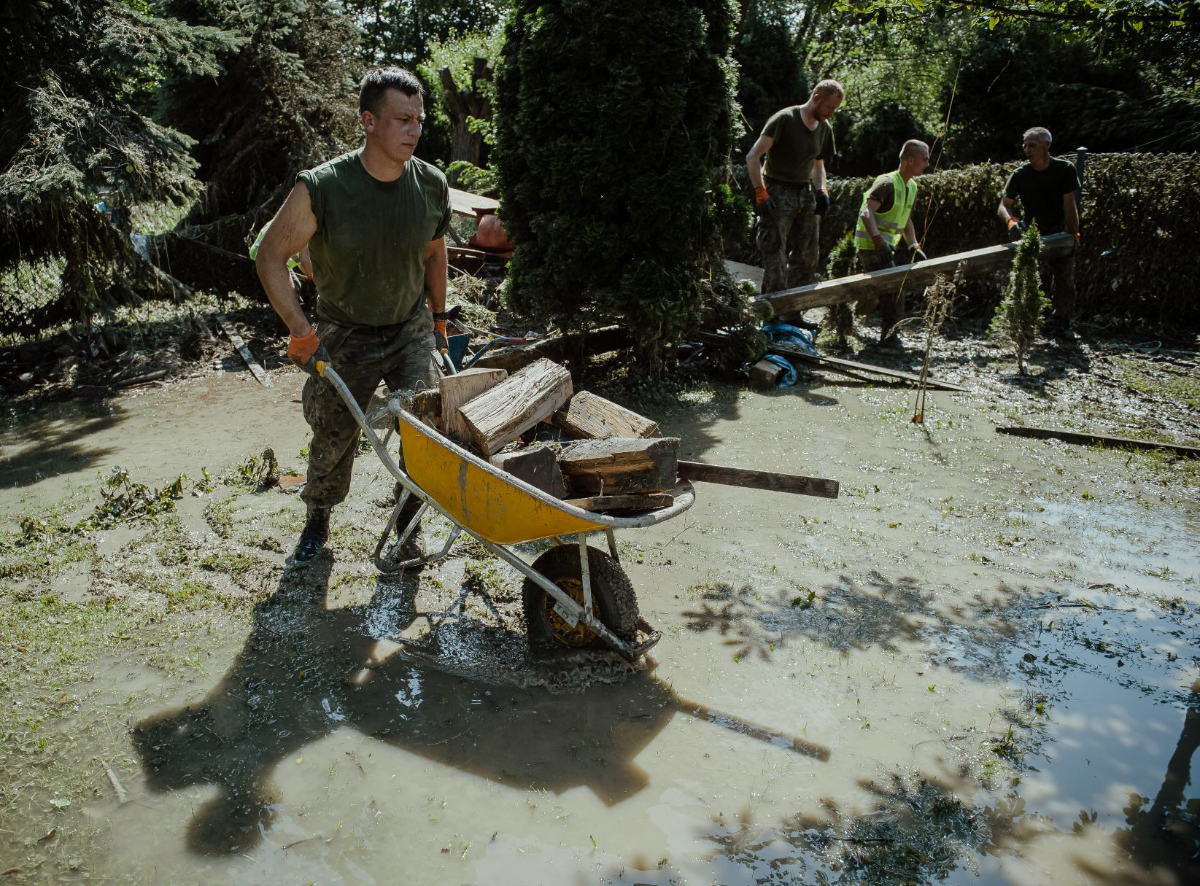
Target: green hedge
x=1140 y=222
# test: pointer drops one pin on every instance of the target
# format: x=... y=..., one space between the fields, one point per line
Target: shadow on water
x=307 y=671
x=55 y=442
x=880 y=612
x=921 y=831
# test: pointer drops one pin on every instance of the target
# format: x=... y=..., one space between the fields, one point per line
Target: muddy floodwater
x=978 y=665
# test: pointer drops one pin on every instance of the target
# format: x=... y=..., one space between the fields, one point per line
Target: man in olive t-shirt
x=1046 y=187
x=790 y=195
x=374 y=221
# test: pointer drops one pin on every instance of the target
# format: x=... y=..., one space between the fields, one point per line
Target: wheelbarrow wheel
x=613 y=600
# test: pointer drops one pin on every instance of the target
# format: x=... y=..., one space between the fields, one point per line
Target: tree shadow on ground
x=307 y=671
x=56 y=442
x=972 y=632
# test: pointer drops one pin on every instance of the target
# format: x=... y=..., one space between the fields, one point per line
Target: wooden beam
x=849 y=367
x=557 y=348
x=466 y=203
x=697 y=472
x=620 y=465
x=589 y=417
x=236 y=340
x=847 y=289
x=1099 y=440
x=515 y=405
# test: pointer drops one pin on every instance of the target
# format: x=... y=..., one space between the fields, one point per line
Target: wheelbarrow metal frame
x=568 y=608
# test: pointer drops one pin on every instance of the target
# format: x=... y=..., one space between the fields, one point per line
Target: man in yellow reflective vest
x=886 y=213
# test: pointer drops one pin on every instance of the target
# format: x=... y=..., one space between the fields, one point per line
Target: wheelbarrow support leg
x=585 y=573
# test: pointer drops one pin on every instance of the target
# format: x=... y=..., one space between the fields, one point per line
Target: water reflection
x=308 y=670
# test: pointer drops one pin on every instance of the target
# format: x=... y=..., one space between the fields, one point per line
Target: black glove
x=1017 y=231
x=822 y=200
x=766 y=207
x=918 y=254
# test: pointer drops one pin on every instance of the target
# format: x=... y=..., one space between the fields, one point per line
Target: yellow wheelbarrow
x=575 y=596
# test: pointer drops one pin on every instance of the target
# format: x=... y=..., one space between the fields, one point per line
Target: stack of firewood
x=620 y=462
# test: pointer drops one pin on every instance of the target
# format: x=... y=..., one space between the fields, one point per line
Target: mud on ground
x=977 y=665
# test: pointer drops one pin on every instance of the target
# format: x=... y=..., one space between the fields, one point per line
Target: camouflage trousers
x=400 y=355
x=891 y=305
x=787 y=237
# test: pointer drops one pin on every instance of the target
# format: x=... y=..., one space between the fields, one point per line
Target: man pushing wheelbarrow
x=374 y=220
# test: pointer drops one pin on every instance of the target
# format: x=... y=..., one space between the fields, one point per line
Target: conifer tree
x=614 y=126
x=77 y=85
x=1019 y=315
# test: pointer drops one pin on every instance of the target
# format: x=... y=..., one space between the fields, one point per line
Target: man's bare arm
x=818 y=175
x=291 y=230
x=1005 y=209
x=754 y=159
x=436 y=264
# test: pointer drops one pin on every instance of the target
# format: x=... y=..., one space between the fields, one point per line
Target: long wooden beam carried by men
x=846 y=289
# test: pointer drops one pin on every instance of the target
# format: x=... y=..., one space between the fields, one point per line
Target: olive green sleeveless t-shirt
x=368 y=253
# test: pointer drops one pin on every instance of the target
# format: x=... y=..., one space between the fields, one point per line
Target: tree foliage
x=284 y=100
x=75 y=127
x=400 y=31
x=613 y=133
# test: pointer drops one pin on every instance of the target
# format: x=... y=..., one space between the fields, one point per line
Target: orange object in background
x=491 y=236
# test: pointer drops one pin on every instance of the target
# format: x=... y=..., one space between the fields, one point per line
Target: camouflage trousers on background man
x=787 y=237
x=399 y=355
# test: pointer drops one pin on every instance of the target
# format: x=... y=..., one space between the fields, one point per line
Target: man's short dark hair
x=377 y=81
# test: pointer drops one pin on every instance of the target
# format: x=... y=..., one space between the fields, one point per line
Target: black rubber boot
x=314 y=535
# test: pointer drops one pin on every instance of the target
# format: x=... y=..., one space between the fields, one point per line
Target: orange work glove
x=305 y=350
x=440 y=339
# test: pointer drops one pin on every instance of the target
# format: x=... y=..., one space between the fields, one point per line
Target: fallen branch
x=1087 y=439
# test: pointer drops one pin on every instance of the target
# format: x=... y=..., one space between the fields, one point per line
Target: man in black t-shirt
x=1046 y=187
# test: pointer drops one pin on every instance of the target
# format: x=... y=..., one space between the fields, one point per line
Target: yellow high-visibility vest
x=890 y=224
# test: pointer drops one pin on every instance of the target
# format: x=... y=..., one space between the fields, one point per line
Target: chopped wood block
x=588 y=417
x=647 y=501
x=537 y=466
x=620 y=465
x=463 y=388
x=765 y=374
x=427 y=406
x=516 y=404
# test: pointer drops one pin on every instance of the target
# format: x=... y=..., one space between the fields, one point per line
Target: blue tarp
x=790 y=335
